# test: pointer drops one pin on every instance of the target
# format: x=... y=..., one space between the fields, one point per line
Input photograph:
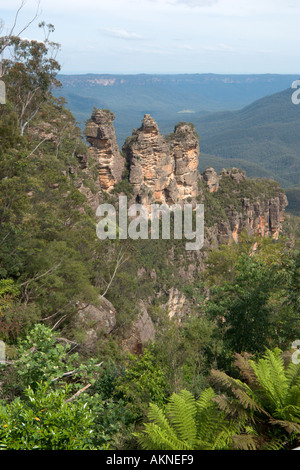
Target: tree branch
x=78 y=393
x=120 y=260
x=11 y=32
x=41 y=275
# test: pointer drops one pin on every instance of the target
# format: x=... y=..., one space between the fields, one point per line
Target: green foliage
x=45 y=420
x=190 y=353
x=269 y=398
x=187 y=424
x=42 y=358
x=30 y=74
x=142 y=382
x=9 y=129
x=251 y=295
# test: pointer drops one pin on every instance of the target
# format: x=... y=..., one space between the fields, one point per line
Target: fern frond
x=293 y=397
x=154 y=438
x=226 y=381
x=247 y=401
x=205 y=399
x=292 y=374
x=245 y=442
x=242 y=362
x=289 y=426
x=157 y=416
x=288 y=413
x=271 y=376
x=231 y=408
x=202 y=445
x=181 y=411
x=274 y=444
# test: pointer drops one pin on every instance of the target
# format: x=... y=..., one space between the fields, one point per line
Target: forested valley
x=220 y=372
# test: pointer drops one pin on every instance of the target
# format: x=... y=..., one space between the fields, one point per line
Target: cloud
x=218 y=48
x=121 y=33
x=189 y=3
x=195 y=3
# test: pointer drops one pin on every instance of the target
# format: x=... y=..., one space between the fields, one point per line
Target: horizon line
x=180 y=73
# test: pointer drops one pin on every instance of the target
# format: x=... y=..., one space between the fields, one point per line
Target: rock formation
x=100 y=133
x=163 y=169
x=265 y=217
x=261 y=213
x=141 y=332
x=211 y=179
x=95 y=320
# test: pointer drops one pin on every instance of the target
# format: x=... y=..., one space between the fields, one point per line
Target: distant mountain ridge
x=265 y=134
x=168 y=98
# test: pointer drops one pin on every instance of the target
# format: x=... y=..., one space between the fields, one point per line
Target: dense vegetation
x=228 y=378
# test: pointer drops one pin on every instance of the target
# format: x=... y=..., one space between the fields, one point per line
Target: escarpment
x=163 y=169
x=153 y=168
x=238 y=203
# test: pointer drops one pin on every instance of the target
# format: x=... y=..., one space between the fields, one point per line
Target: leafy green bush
x=45 y=420
x=142 y=382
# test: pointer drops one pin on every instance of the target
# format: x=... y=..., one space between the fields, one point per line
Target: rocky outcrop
x=95 y=321
x=141 y=333
x=185 y=150
x=151 y=166
x=177 y=305
x=163 y=169
x=235 y=174
x=265 y=217
x=100 y=133
x=211 y=179
x=260 y=213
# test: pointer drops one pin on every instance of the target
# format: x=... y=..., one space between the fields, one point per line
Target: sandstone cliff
x=100 y=133
x=257 y=206
x=163 y=169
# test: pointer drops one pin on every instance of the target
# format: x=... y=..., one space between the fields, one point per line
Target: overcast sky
x=169 y=36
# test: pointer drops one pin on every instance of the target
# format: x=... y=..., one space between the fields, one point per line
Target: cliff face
x=265 y=218
x=151 y=166
x=100 y=133
x=163 y=169
x=253 y=205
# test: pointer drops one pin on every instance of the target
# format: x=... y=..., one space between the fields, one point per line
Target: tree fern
x=292 y=374
x=187 y=424
x=271 y=376
x=270 y=400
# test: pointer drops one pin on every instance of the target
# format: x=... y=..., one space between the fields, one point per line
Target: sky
x=167 y=36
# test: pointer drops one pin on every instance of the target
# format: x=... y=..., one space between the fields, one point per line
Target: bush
x=44 y=420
